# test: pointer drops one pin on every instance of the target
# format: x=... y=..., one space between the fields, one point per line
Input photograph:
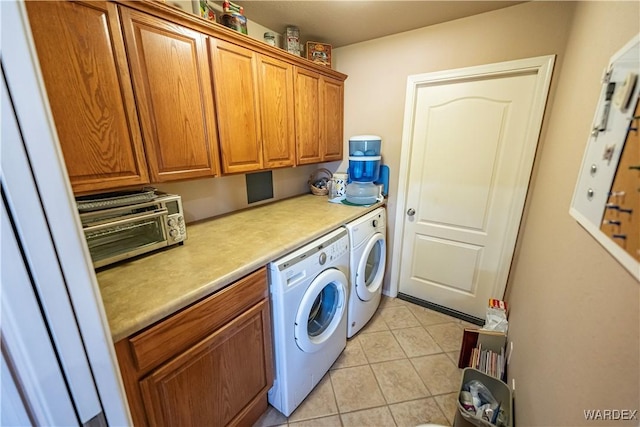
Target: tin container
x=292 y=40
x=270 y=38
x=235 y=21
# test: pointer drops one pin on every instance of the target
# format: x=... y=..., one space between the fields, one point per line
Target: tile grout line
x=431 y=396
x=333 y=391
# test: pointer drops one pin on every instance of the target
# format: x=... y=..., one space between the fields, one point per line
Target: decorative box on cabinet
x=86 y=75
x=209 y=364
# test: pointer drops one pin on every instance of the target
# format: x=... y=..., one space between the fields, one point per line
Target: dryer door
x=370 y=271
x=321 y=310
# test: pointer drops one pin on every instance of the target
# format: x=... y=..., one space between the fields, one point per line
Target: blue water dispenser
x=364 y=169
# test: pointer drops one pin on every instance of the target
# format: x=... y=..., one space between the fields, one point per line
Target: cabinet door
x=332 y=118
x=277 y=112
x=85 y=71
x=172 y=84
x=235 y=85
x=307 y=102
x=215 y=381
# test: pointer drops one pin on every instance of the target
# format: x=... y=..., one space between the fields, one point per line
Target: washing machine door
x=321 y=310
x=370 y=270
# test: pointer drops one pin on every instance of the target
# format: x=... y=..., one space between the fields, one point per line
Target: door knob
x=411 y=212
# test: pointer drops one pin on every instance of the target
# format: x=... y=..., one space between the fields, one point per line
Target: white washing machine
x=367 y=238
x=309 y=291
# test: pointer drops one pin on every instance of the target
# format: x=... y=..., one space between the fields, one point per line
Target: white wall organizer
x=614 y=124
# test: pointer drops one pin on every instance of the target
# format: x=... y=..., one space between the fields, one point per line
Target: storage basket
x=500 y=391
x=317 y=178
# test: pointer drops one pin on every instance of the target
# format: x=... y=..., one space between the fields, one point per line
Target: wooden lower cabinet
x=223 y=370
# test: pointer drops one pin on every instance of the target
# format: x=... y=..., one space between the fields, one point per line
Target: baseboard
x=441 y=309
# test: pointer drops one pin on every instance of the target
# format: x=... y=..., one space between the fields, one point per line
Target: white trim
x=32 y=109
x=26 y=344
x=541 y=65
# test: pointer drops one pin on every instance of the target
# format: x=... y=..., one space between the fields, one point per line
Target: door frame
x=541 y=65
x=49 y=174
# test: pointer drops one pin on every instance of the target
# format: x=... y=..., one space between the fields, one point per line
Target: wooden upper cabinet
x=307 y=113
x=170 y=70
x=235 y=85
x=277 y=112
x=332 y=114
x=85 y=71
x=255 y=109
x=319 y=117
x=141 y=94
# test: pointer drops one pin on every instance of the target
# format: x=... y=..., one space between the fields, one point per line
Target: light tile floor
x=400 y=370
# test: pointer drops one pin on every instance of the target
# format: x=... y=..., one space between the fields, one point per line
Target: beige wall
x=378 y=69
x=574 y=310
x=206 y=198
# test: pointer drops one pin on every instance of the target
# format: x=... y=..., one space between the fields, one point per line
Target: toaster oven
x=118 y=226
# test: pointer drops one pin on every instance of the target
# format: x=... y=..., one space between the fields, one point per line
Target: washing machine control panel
x=335 y=250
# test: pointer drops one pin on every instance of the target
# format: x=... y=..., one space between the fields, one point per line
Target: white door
x=469 y=142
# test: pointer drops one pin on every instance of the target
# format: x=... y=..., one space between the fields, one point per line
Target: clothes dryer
x=309 y=292
x=367 y=238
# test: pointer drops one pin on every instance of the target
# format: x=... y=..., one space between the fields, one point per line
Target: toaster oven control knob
x=180 y=219
x=171 y=222
x=173 y=233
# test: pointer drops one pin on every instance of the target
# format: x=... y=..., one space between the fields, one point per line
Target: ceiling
x=342 y=22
